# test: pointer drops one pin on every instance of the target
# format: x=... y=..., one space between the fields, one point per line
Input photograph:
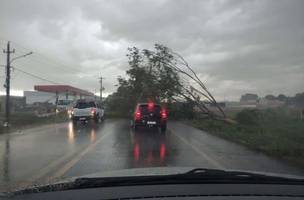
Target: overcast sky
x=236 y=46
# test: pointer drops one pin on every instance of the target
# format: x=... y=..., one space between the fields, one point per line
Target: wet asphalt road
x=53 y=152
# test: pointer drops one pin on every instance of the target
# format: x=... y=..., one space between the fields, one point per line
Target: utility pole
x=7 y=83
x=8 y=79
x=101 y=88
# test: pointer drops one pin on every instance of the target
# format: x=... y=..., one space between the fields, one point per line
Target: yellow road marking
x=201 y=153
x=78 y=157
x=41 y=174
x=44 y=171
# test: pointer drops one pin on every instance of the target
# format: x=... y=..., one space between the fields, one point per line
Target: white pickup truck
x=85 y=110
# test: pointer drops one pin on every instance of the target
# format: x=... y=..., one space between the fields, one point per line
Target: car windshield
x=105 y=88
x=82 y=105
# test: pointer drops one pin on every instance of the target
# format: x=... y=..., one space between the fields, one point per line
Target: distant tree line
x=297 y=100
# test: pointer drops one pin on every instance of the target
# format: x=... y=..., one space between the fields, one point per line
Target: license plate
x=82 y=118
x=151 y=122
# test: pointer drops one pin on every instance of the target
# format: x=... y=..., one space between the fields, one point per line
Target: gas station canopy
x=62 y=89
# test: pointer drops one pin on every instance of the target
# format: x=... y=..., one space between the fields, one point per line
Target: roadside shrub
x=248 y=117
x=181 y=111
x=275 y=131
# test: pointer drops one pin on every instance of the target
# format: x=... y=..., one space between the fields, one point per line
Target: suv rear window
x=82 y=105
x=144 y=109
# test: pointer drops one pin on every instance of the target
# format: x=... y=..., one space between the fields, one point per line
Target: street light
x=7 y=84
x=21 y=57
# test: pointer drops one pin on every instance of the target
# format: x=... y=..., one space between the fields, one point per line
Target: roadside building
x=17 y=103
x=32 y=97
x=270 y=103
x=61 y=95
x=249 y=99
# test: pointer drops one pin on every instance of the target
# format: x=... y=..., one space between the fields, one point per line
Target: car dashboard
x=178 y=191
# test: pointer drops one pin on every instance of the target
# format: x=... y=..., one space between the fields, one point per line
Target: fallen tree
x=192 y=89
x=163 y=75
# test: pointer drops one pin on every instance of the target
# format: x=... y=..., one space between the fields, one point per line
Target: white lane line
x=200 y=152
x=77 y=158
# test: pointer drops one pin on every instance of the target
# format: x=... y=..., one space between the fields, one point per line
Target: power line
x=33 y=64
x=36 y=76
x=43 y=57
x=16 y=74
x=46 y=61
x=40 y=60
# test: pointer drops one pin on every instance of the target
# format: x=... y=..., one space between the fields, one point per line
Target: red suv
x=150 y=115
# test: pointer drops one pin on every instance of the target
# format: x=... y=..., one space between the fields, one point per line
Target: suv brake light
x=163 y=114
x=150 y=106
x=93 y=111
x=137 y=114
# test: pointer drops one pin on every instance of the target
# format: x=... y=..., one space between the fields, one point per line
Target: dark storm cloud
x=237 y=46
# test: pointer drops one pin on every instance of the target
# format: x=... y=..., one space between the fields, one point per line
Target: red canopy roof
x=62 y=89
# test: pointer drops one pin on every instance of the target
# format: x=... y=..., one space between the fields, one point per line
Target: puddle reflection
x=93 y=135
x=71 y=134
x=6 y=160
x=77 y=133
x=149 y=148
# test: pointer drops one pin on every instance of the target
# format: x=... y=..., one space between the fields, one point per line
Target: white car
x=85 y=110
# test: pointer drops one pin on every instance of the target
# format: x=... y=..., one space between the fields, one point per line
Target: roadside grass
x=28 y=119
x=273 y=131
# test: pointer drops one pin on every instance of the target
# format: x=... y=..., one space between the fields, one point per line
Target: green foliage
x=149 y=78
x=248 y=117
x=255 y=117
x=273 y=131
x=181 y=110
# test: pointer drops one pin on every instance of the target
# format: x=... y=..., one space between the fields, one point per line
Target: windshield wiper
x=198 y=175
x=242 y=176
x=195 y=176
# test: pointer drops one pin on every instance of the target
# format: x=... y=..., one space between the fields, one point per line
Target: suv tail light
x=150 y=106
x=163 y=114
x=137 y=114
x=93 y=111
